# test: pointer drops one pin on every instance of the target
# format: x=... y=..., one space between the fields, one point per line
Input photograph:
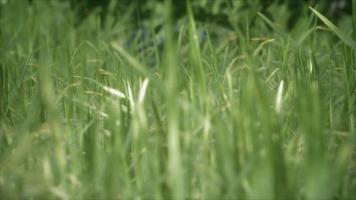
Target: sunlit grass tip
x=279 y=97
x=114 y=92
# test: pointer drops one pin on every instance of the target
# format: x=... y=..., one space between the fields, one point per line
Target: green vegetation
x=105 y=110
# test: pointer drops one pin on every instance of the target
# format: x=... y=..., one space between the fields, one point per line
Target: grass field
x=87 y=112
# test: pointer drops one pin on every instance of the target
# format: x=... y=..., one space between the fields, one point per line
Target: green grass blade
x=343 y=36
x=354 y=19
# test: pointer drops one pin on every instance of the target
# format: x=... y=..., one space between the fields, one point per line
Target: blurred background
x=221 y=12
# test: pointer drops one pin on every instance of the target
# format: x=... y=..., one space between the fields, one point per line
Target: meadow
x=108 y=110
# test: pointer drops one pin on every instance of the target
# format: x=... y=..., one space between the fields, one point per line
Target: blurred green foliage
x=270 y=118
x=222 y=12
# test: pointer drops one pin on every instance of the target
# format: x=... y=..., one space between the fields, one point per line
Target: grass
x=256 y=113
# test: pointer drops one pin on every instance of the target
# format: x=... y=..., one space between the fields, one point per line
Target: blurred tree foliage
x=221 y=12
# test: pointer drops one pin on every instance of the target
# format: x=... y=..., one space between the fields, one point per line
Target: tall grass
x=257 y=113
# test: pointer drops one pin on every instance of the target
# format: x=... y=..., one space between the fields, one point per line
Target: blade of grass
x=354 y=19
x=343 y=36
x=137 y=65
